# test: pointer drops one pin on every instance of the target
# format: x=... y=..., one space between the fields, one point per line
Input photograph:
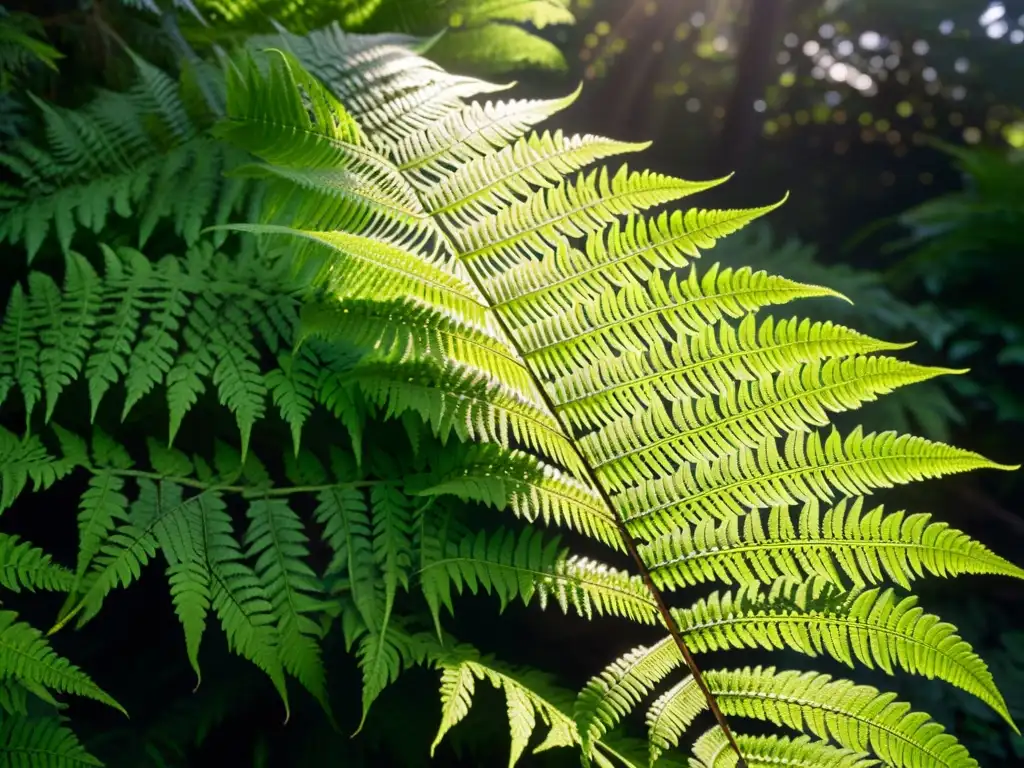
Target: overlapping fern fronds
x=142 y=154
x=494 y=36
x=706 y=424
x=543 y=335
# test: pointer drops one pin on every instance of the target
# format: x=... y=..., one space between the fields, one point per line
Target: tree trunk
x=754 y=68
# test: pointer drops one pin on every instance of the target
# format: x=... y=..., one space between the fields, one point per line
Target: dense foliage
x=297 y=318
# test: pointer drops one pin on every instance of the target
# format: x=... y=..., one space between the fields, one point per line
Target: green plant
x=491 y=325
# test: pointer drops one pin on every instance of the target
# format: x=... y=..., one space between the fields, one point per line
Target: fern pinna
x=548 y=347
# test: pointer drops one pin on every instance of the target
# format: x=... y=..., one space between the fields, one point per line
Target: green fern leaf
x=128 y=547
x=392 y=540
x=19 y=351
x=24 y=460
x=458 y=685
x=621 y=686
x=874 y=627
x=24 y=566
x=532 y=489
x=468 y=133
x=348 y=530
x=866 y=547
x=494 y=179
x=190 y=593
x=277 y=542
x=42 y=742
x=529 y=696
x=236 y=374
x=103 y=505
x=712 y=750
x=66 y=342
x=626 y=252
x=657 y=440
x=571 y=209
x=635 y=316
x=241 y=602
x=703 y=364
x=26 y=656
x=858 y=717
x=597 y=340
x=525 y=566
x=127 y=278
x=381 y=661
x=153 y=356
x=293 y=387
x=799 y=472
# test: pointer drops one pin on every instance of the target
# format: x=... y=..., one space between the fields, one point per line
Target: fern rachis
x=590 y=376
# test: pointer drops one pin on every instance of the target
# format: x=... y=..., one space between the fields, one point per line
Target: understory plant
x=416 y=309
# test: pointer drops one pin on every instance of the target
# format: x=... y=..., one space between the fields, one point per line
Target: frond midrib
x=477 y=130
x=600 y=199
x=628 y=255
x=825 y=544
x=776 y=617
x=494 y=183
x=637 y=317
x=683 y=370
x=552 y=429
x=629 y=596
x=767 y=476
x=874 y=723
x=743 y=414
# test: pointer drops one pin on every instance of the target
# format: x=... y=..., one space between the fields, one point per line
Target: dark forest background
x=896 y=129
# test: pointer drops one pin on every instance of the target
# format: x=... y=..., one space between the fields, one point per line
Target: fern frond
x=525 y=566
x=858 y=717
x=529 y=696
x=24 y=566
x=477 y=130
x=129 y=546
x=712 y=750
x=293 y=388
x=391 y=91
x=19 y=353
x=873 y=626
x=404 y=329
x=276 y=541
x=806 y=467
x=363 y=268
x=613 y=694
x=529 y=487
x=179 y=324
x=656 y=440
x=690 y=417
x=347 y=528
x=102 y=506
x=24 y=460
x=240 y=600
x=866 y=547
x=26 y=656
x=706 y=363
x=42 y=741
x=464 y=402
x=137 y=153
x=392 y=540
x=626 y=252
x=493 y=180
x=573 y=208
x=636 y=317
